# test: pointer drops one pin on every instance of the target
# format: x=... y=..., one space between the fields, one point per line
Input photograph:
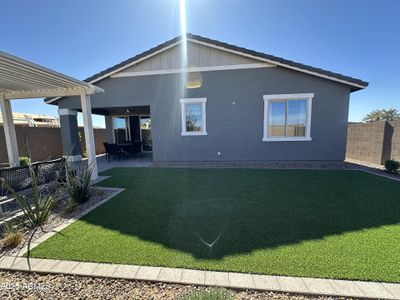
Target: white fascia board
x=279 y=64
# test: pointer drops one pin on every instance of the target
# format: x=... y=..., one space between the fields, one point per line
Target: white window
x=193 y=111
x=287 y=117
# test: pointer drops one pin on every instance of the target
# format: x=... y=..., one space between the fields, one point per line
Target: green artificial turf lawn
x=331 y=224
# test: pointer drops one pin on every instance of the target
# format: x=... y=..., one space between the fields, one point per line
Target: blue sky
x=359 y=38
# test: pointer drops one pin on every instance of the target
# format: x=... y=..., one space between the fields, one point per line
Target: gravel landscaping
x=59 y=217
x=20 y=285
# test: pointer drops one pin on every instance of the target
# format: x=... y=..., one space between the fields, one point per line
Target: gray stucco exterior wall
x=234 y=113
x=69 y=135
x=109 y=129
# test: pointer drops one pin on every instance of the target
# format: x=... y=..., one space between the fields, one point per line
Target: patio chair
x=112 y=150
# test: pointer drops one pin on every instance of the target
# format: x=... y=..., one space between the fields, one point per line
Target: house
x=211 y=101
x=33 y=120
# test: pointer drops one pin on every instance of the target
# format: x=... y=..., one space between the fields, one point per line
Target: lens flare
x=182 y=12
x=184 y=59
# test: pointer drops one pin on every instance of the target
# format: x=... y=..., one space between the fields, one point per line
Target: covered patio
x=22 y=79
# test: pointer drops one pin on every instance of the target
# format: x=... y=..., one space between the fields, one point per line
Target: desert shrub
x=392 y=166
x=37 y=207
x=70 y=207
x=78 y=184
x=24 y=161
x=210 y=294
x=12 y=237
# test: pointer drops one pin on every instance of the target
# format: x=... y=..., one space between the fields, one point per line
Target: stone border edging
x=285 y=284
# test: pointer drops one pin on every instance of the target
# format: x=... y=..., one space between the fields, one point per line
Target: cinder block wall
x=395 y=140
x=373 y=142
x=44 y=143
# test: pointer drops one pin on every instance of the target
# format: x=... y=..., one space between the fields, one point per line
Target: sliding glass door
x=121 y=127
x=145 y=133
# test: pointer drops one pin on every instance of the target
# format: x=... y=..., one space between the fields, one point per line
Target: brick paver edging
x=301 y=285
x=298 y=285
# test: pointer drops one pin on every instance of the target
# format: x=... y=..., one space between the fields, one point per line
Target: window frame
x=128 y=136
x=184 y=102
x=285 y=97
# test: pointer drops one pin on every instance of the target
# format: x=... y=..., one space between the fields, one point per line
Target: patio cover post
x=89 y=134
x=9 y=131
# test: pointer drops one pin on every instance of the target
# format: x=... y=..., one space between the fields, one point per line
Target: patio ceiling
x=122 y=111
x=22 y=79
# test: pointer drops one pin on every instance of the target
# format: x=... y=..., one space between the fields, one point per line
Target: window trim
x=185 y=101
x=285 y=97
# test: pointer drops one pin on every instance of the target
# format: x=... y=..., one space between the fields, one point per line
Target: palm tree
x=390 y=114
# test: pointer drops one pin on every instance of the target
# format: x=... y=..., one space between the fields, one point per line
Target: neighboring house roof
x=355 y=83
x=34 y=120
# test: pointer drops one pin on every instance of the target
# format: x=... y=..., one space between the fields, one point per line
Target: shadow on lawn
x=214 y=213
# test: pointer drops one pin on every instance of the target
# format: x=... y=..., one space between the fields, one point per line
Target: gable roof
x=356 y=84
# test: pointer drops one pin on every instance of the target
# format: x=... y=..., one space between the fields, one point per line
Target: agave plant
x=78 y=184
x=36 y=207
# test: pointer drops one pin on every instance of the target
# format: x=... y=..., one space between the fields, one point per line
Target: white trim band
x=193 y=69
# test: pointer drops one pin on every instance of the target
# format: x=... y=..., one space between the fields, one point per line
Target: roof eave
x=354 y=83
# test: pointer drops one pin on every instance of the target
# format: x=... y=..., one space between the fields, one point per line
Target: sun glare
x=182 y=13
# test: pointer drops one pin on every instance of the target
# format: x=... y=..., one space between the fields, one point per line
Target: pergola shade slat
x=6 y=60
x=5 y=73
x=21 y=79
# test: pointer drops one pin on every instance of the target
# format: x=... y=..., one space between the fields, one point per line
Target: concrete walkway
x=140 y=161
x=302 y=285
